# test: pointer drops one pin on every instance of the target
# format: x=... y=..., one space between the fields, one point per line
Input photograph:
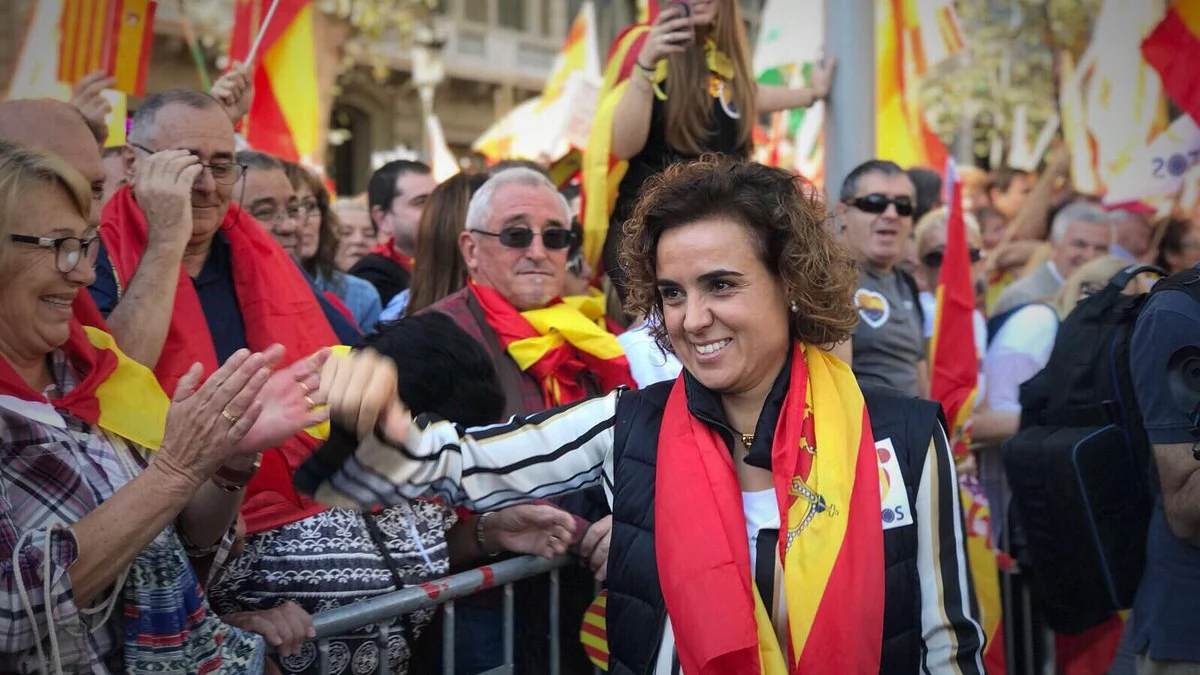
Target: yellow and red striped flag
x=110 y=35
x=284 y=118
x=593 y=635
x=905 y=50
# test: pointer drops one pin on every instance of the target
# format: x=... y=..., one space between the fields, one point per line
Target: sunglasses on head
x=553 y=238
x=935 y=257
x=876 y=203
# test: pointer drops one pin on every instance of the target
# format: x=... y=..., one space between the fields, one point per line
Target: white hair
x=479 y=211
x=1078 y=211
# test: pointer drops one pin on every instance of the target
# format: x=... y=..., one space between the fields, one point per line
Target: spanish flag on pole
x=284 y=118
x=954 y=383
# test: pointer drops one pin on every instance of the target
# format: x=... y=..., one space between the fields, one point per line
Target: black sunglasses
x=553 y=238
x=876 y=203
x=935 y=257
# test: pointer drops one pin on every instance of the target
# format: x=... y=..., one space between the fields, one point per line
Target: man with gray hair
x=1080 y=233
x=515 y=242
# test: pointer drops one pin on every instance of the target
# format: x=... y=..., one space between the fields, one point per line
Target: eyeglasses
x=554 y=238
x=876 y=203
x=935 y=257
x=68 y=251
x=311 y=208
x=269 y=214
x=224 y=173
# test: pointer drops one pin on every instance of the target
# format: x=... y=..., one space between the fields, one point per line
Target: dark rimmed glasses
x=224 y=173
x=68 y=251
x=935 y=257
x=876 y=204
x=553 y=238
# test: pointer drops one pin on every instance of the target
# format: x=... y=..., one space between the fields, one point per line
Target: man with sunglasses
x=515 y=243
x=875 y=212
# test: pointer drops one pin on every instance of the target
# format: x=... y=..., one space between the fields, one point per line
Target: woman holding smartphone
x=675 y=88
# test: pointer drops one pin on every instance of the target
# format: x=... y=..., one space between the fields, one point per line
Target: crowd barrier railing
x=444 y=591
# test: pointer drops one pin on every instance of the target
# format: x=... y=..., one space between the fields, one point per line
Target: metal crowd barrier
x=444 y=591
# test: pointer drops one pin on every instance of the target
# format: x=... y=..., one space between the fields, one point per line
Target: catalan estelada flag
x=1172 y=49
x=902 y=57
x=284 y=118
x=954 y=380
x=110 y=35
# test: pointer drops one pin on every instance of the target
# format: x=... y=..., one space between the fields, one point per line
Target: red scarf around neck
x=388 y=250
x=830 y=535
x=563 y=364
x=277 y=306
x=93 y=363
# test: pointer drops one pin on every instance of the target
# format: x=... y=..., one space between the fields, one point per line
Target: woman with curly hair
x=318 y=247
x=769 y=516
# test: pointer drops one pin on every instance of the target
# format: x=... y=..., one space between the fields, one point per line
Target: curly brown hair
x=791 y=223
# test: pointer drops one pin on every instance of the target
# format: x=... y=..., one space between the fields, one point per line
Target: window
x=512 y=14
x=475 y=10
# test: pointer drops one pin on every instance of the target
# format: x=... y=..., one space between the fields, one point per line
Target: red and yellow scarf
x=115 y=393
x=826 y=478
x=556 y=343
x=277 y=306
x=388 y=250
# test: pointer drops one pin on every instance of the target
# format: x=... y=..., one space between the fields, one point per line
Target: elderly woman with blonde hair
x=106 y=486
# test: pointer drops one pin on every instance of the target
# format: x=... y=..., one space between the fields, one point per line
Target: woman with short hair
x=763 y=522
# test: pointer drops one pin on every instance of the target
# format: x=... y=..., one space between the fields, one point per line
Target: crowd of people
x=193 y=464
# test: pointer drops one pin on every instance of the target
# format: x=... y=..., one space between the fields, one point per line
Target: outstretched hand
x=291 y=401
x=534 y=529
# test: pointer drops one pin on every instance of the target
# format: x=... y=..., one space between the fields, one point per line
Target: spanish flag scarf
x=115 y=393
x=826 y=480
x=277 y=306
x=388 y=250
x=556 y=343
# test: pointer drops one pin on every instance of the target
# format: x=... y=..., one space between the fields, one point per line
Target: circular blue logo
x=888 y=515
x=1177 y=165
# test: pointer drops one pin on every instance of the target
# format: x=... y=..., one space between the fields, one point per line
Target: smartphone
x=685 y=7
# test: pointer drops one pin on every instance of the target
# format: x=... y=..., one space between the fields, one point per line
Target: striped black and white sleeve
x=484 y=468
x=952 y=638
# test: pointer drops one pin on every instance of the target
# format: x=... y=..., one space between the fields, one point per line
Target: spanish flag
x=954 y=383
x=1172 y=48
x=602 y=173
x=904 y=51
x=284 y=118
x=110 y=35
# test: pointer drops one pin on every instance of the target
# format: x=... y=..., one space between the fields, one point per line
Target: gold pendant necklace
x=747 y=440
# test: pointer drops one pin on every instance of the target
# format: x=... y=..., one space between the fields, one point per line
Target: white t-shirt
x=647 y=362
x=1019 y=350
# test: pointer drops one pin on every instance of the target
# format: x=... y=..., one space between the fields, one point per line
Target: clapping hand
x=291 y=401
x=821 y=77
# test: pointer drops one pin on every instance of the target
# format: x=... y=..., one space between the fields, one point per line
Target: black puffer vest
x=636 y=611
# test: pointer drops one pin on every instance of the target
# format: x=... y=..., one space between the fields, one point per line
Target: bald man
x=59 y=129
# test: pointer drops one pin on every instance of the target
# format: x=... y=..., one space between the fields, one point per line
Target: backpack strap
x=1187 y=281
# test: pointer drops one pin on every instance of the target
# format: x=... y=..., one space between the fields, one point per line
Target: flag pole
x=262 y=30
x=189 y=36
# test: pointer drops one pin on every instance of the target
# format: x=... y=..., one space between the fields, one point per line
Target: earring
x=794 y=307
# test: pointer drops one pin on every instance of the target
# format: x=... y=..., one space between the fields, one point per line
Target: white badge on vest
x=894 y=508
